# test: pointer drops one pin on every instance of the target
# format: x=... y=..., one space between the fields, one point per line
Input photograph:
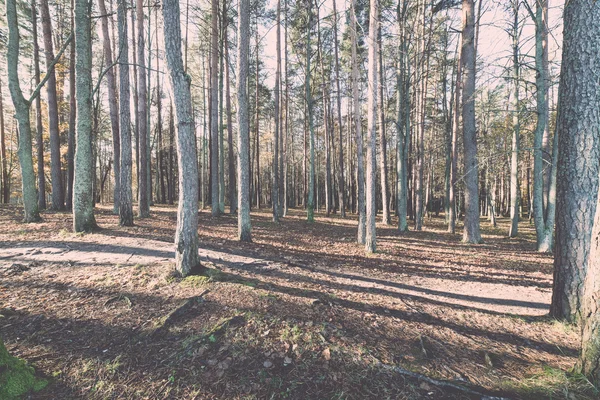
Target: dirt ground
x=300 y=313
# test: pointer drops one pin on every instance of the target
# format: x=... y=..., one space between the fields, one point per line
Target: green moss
x=195 y=280
x=16 y=377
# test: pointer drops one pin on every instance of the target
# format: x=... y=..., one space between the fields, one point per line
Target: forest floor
x=299 y=313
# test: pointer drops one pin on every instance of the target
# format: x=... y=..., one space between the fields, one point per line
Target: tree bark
x=310 y=209
x=113 y=104
x=471 y=232
x=38 y=113
x=186 y=236
x=214 y=109
x=243 y=137
x=72 y=119
x=83 y=201
x=275 y=182
x=142 y=124
x=578 y=129
x=514 y=159
x=125 y=197
x=58 y=196
x=5 y=194
x=370 y=239
x=386 y=216
x=30 y=196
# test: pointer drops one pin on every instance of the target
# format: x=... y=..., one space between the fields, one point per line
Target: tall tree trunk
x=72 y=118
x=83 y=201
x=125 y=197
x=214 y=109
x=113 y=104
x=275 y=182
x=370 y=239
x=403 y=120
x=471 y=232
x=230 y=145
x=341 y=178
x=541 y=202
x=514 y=159
x=186 y=236
x=38 y=114
x=142 y=124
x=243 y=136
x=578 y=129
x=30 y=196
x=386 y=217
x=223 y=27
x=361 y=235
x=5 y=194
x=310 y=210
x=58 y=196
x=287 y=119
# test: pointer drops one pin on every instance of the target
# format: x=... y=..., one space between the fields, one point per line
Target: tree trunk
x=243 y=137
x=125 y=197
x=541 y=202
x=72 y=119
x=275 y=182
x=514 y=159
x=578 y=129
x=370 y=239
x=310 y=209
x=214 y=110
x=5 y=194
x=83 y=201
x=386 y=216
x=142 y=124
x=38 y=114
x=358 y=131
x=186 y=236
x=30 y=196
x=58 y=196
x=341 y=178
x=230 y=145
x=113 y=104
x=471 y=232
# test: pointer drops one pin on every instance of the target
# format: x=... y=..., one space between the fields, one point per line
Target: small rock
x=287 y=361
x=267 y=364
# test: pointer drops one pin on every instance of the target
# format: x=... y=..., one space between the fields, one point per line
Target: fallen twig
x=179 y=311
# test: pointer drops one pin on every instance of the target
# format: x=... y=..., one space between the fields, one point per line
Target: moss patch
x=16 y=377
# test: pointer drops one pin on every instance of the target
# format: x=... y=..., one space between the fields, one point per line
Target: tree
x=83 y=198
x=72 y=118
x=214 y=110
x=514 y=159
x=58 y=197
x=186 y=236
x=38 y=113
x=578 y=130
x=471 y=232
x=310 y=209
x=113 y=104
x=5 y=194
x=275 y=185
x=125 y=196
x=370 y=239
x=341 y=179
x=243 y=136
x=544 y=190
x=361 y=234
x=143 y=201
x=402 y=119
x=30 y=196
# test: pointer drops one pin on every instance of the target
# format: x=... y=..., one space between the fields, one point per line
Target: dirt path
x=319 y=318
